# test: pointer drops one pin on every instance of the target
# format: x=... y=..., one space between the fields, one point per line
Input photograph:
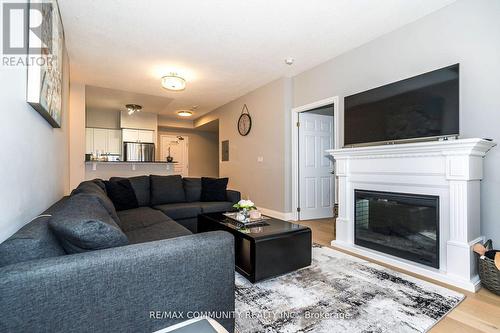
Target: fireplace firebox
x=399 y=224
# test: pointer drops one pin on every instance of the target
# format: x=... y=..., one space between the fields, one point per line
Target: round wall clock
x=244 y=122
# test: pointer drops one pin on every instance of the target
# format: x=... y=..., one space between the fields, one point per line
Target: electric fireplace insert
x=399 y=224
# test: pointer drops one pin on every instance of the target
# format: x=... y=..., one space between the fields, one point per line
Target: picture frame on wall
x=45 y=65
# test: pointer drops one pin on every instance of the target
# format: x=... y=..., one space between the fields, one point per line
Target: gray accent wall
x=465 y=32
x=267 y=183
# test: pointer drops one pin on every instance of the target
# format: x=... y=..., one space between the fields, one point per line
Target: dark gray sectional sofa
x=82 y=266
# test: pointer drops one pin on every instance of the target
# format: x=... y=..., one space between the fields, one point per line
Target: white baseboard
x=277 y=215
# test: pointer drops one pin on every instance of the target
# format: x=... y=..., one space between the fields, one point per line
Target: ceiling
x=212 y=126
x=223 y=48
x=106 y=99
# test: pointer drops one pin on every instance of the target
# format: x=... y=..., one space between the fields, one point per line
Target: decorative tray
x=249 y=221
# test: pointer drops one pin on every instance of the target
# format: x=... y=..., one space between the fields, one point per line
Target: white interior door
x=179 y=150
x=316 y=180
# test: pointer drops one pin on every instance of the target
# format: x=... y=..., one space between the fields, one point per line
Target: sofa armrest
x=233 y=196
x=121 y=289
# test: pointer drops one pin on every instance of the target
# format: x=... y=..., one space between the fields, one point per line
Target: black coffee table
x=272 y=248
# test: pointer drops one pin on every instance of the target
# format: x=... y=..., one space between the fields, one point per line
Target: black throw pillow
x=213 y=189
x=121 y=194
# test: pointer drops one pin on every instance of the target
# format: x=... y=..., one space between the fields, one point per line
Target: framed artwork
x=225 y=150
x=44 y=90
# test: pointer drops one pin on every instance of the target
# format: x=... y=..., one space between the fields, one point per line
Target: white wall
x=102 y=118
x=466 y=32
x=164 y=121
x=34 y=168
x=139 y=120
x=76 y=134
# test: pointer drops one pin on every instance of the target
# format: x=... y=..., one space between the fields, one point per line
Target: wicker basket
x=488 y=272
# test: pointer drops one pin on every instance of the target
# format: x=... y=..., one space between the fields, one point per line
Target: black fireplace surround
x=400 y=224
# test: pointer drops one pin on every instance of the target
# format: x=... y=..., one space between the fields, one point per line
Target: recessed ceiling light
x=185 y=113
x=173 y=82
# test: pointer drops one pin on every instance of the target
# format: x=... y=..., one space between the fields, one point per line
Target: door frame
x=186 y=150
x=295 y=143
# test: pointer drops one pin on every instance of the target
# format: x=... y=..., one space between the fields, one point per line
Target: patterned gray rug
x=341 y=293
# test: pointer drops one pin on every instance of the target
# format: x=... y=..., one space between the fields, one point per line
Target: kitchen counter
x=108 y=169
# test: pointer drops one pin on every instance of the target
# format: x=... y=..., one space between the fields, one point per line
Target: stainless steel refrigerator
x=138 y=152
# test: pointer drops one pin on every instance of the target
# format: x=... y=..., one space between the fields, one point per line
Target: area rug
x=341 y=293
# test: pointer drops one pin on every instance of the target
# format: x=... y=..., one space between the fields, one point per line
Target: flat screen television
x=424 y=106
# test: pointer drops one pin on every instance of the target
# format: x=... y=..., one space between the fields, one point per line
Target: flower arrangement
x=244 y=207
x=245 y=204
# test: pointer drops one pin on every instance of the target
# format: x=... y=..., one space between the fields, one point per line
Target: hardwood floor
x=479 y=312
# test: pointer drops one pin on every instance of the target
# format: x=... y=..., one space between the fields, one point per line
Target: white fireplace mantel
x=450 y=169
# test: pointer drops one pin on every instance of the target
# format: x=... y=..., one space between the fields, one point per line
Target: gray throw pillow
x=93 y=188
x=83 y=224
x=141 y=186
x=166 y=189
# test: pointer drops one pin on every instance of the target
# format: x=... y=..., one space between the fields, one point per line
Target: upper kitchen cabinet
x=100 y=140
x=114 y=142
x=134 y=135
x=104 y=141
x=89 y=140
x=146 y=136
x=130 y=135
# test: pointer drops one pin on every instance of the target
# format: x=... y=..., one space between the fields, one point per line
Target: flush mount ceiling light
x=173 y=82
x=185 y=113
x=132 y=108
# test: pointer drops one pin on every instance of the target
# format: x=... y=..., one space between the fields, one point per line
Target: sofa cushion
x=33 y=241
x=139 y=218
x=192 y=188
x=93 y=188
x=233 y=196
x=213 y=189
x=162 y=230
x=83 y=224
x=141 y=186
x=182 y=210
x=166 y=189
x=122 y=194
x=216 y=207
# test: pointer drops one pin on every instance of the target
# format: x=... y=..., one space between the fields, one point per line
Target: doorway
x=316 y=180
x=176 y=146
x=315 y=130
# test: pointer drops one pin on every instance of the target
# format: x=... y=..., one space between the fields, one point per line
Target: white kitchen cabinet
x=100 y=140
x=130 y=135
x=106 y=141
x=114 y=142
x=134 y=135
x=89 y=140
x=146 y=136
